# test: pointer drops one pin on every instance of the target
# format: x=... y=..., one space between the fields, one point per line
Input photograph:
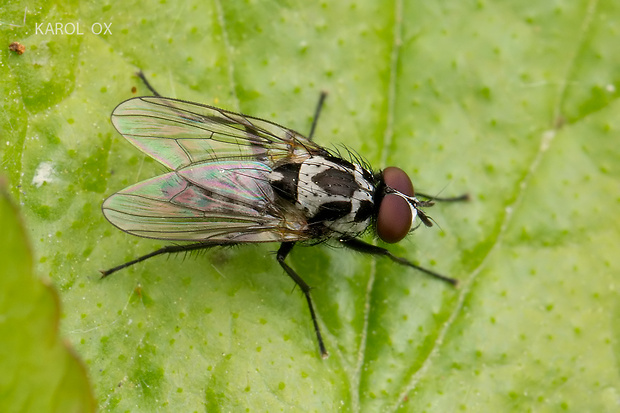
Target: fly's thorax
x=332 y=193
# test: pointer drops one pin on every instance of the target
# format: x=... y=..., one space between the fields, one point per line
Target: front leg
x=364 y=247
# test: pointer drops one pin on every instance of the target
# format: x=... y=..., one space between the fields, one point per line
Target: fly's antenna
x=415 y=204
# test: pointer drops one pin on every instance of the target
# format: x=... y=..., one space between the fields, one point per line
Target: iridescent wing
x=178 y=133
x=215 y=203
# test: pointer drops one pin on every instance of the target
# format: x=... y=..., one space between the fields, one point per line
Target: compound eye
x=394 y=219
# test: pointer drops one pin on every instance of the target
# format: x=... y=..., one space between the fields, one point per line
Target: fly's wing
x=215 y=203
x=178 y=133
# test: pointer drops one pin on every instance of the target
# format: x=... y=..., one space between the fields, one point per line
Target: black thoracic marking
x=331 y=211
x=364 y=211
x=340 y=162
x=367 y=175
x=336 y=182
x=287 y=186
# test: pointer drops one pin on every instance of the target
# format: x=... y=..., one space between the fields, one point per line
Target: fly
x=236 y=179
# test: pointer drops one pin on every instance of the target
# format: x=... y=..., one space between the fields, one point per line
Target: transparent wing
x=178 y=133
x=216 y=202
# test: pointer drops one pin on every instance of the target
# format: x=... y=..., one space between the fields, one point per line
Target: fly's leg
x=460 y=198
x=364 y=247
x=284 y=250
x=165 y=250
x=315 y=120
x=146 y=83
x=317 y=112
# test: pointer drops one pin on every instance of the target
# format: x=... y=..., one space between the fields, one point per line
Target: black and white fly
x=237 y=179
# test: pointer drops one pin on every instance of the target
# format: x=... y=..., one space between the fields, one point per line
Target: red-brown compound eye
x=394 y=219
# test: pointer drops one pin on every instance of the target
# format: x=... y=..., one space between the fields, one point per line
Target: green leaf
x=514 y=103
x=40 y=371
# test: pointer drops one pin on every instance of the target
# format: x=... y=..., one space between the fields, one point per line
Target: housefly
x=236 y=179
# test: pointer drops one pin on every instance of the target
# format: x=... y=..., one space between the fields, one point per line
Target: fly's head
x=398 y=206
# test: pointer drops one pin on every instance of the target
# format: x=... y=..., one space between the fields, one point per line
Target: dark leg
x=284 y=250
x=317 y=112
x=165 y=250
x=366 y=248
x=464 y=197
x=146 y=83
